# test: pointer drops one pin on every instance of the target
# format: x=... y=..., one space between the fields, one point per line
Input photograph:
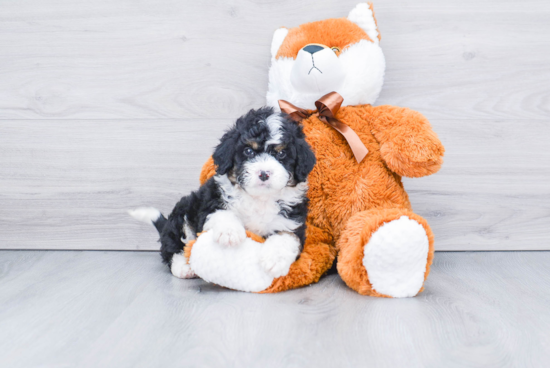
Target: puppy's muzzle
x=264 y=175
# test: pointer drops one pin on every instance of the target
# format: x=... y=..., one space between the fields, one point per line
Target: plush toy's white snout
x=317 y=69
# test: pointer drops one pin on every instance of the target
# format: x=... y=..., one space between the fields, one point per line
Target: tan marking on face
x=232 y=176
x=253 y=144
x=279 y=148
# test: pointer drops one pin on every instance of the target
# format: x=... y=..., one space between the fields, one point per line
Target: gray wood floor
x=123 y=309
x=112 y=104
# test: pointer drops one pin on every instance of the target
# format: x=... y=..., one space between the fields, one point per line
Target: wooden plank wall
x=112 y=104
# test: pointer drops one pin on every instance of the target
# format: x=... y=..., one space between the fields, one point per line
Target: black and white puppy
x=260 y=185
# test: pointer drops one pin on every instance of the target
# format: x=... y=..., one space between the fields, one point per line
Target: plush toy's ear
x=305 y=160
x=363 y=16
x=278 y=38
x=225 y=152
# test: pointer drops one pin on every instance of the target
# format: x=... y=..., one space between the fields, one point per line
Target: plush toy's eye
x=281 y=154
x=335 y=49
x=248 y=152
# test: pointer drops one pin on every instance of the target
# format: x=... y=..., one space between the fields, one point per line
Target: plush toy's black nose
x=312 y=49
x=264 y=176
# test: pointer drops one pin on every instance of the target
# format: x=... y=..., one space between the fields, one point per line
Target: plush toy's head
x=316 y=58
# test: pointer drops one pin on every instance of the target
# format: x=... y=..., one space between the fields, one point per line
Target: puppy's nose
x=312 y=49
x=264 y=176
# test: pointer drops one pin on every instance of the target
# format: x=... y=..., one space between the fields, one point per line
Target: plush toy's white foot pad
x=180 y=268
x=279 y=252
x=236 y=267
x=396 y=256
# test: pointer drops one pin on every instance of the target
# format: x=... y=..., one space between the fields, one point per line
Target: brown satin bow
x=327 y=107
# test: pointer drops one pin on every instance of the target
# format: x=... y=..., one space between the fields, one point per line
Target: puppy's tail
x=149 y=215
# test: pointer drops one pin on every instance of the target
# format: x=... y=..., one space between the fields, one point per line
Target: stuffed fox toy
x=328 y=74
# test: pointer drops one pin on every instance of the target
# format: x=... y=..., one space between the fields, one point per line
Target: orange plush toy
x=327 y=74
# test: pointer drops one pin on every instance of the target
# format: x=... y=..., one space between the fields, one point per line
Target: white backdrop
x=113 y=104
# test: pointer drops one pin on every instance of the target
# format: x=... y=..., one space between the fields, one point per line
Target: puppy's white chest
x=261 y=217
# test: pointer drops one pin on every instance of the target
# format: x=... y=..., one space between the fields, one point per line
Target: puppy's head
x=264 y=152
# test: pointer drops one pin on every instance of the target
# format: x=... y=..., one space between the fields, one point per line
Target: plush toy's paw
x=278 y=253
x=180 y=268
x=227 y=229
x=403 y=162
x=395 y=258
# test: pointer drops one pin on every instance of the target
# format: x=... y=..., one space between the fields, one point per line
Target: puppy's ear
x=305 y=160
x=224 y=153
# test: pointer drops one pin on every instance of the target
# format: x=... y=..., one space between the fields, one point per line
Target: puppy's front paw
x=230 y=236
x=227 y=228
x=278 y=253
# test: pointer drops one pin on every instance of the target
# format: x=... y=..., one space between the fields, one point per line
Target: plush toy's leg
x=315 y=260
x=180 y=267
x=386 y=253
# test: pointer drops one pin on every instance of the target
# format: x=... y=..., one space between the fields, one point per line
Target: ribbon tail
x=355 y=143
x=357 y=147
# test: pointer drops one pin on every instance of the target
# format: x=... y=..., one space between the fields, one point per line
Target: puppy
x=262 y=165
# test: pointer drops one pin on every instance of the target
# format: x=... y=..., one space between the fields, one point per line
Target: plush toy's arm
x=408 y=144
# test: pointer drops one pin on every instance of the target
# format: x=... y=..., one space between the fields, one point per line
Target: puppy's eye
x=335 y=49
x=248 y=152
x=281 y=154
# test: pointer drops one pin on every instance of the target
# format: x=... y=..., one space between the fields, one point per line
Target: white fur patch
x=180 y=268
x=364 y=66
x=189 y=233
x=236 y=268
x=274 y=123
x=362 y=16
x=227 y=228
x=145 y=214
x=396 y=256
x=261 y=214
x=278 y=253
